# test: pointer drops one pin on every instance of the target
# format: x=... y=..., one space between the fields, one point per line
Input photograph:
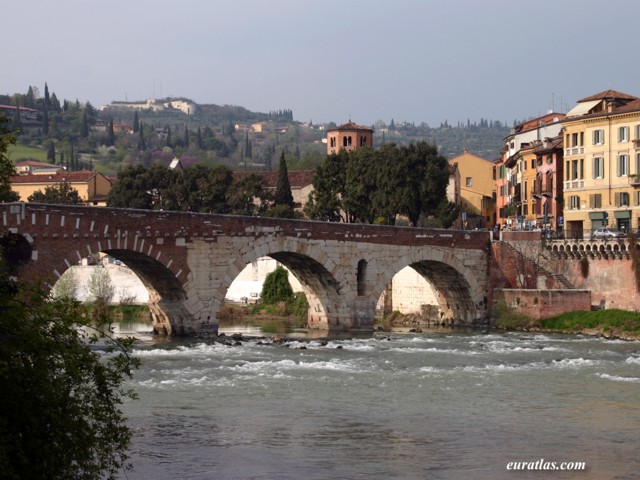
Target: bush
x=276 y=287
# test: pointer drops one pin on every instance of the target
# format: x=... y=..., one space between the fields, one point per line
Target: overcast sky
x=330 y=60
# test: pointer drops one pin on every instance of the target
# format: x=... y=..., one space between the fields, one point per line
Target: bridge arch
x=465 y=298
x=311 y=266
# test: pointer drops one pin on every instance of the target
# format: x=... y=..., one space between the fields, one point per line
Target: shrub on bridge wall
x=584 y=267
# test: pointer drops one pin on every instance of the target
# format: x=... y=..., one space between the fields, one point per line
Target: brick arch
x=456 y=282
x=166 y=291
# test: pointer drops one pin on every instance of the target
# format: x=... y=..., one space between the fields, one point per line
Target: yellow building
x=92 y=187
x=477 y=190
x=602 y=164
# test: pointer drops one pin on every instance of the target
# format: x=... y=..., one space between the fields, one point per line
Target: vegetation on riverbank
x=611 y=323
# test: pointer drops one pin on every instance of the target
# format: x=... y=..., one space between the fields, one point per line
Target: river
x=433 y=405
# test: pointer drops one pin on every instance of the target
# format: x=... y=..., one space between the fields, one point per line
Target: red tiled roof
x=632 y=106
x=58 y=177
x=35 y=163
x=608 y=94
x=350 y=126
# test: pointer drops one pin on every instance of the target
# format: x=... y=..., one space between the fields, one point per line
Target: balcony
x=636 y=143
x=634 y=180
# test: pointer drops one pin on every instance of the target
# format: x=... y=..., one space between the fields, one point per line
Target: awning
x=596 y=216
x=622 y=214
x=582 y=108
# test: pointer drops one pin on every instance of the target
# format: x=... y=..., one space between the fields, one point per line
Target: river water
x=434 y=405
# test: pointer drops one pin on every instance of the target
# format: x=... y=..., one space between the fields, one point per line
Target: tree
x=59 y=408
x=59 y=413
x=245 y=192
x=51 y=152
x=141 y=143
x=100 y=287
x=283 y=196
x=136 y=122
x=111 y=136
x=66 y=287
x=7 y=169
x=132 y=190
x=84 y=126
x=60 y=194
x=276 y=287
x=45 y=122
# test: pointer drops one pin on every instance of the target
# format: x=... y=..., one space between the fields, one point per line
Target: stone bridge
x=188 y=260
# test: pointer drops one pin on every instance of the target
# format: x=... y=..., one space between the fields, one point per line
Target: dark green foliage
x=136 y=122
x=276 y=287
x=368 y=186
x=61 y=194
x=84 y=127
x=243 y=194
x=59 y=411
x=141 y=142
x=283 y=194
x=7 y=169
x=51 y=152
x=111 y=136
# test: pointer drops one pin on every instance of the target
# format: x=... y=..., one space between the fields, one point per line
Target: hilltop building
x=349 y=136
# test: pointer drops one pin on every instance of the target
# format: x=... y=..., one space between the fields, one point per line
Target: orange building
x=349 y=136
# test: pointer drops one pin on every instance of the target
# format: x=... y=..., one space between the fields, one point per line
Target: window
x=598 y=137
x=595 y=200
x=598 y=167
x=637 y=195
x=346 y=142
x=574 y=202
x=333 y=142
x=637 y=172
x=469 y=181
x=574 y=140
x=574 y=169
x=623 y=165
x=363 y=141
x=622 y=199
x=623 y=134
x=637 y=137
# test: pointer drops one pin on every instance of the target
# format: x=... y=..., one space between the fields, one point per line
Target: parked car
x=604 y=233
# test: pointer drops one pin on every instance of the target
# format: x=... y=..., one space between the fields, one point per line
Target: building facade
x=93 y=187
x=602 y=164
x=477 y=190
x=349 y=136
x=514 y=173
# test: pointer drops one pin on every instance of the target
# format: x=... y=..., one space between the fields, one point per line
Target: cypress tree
x=51 y=152
x=141 y=143
x=47 y=99
x=111 y=136
x=84 y=127
x=136 y=122
x=186 y=136
x=45 y=121
x=283 y=195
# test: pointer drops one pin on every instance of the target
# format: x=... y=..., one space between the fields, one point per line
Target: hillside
x=227 y=134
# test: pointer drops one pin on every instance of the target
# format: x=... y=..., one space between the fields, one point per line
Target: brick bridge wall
x=188 y=260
